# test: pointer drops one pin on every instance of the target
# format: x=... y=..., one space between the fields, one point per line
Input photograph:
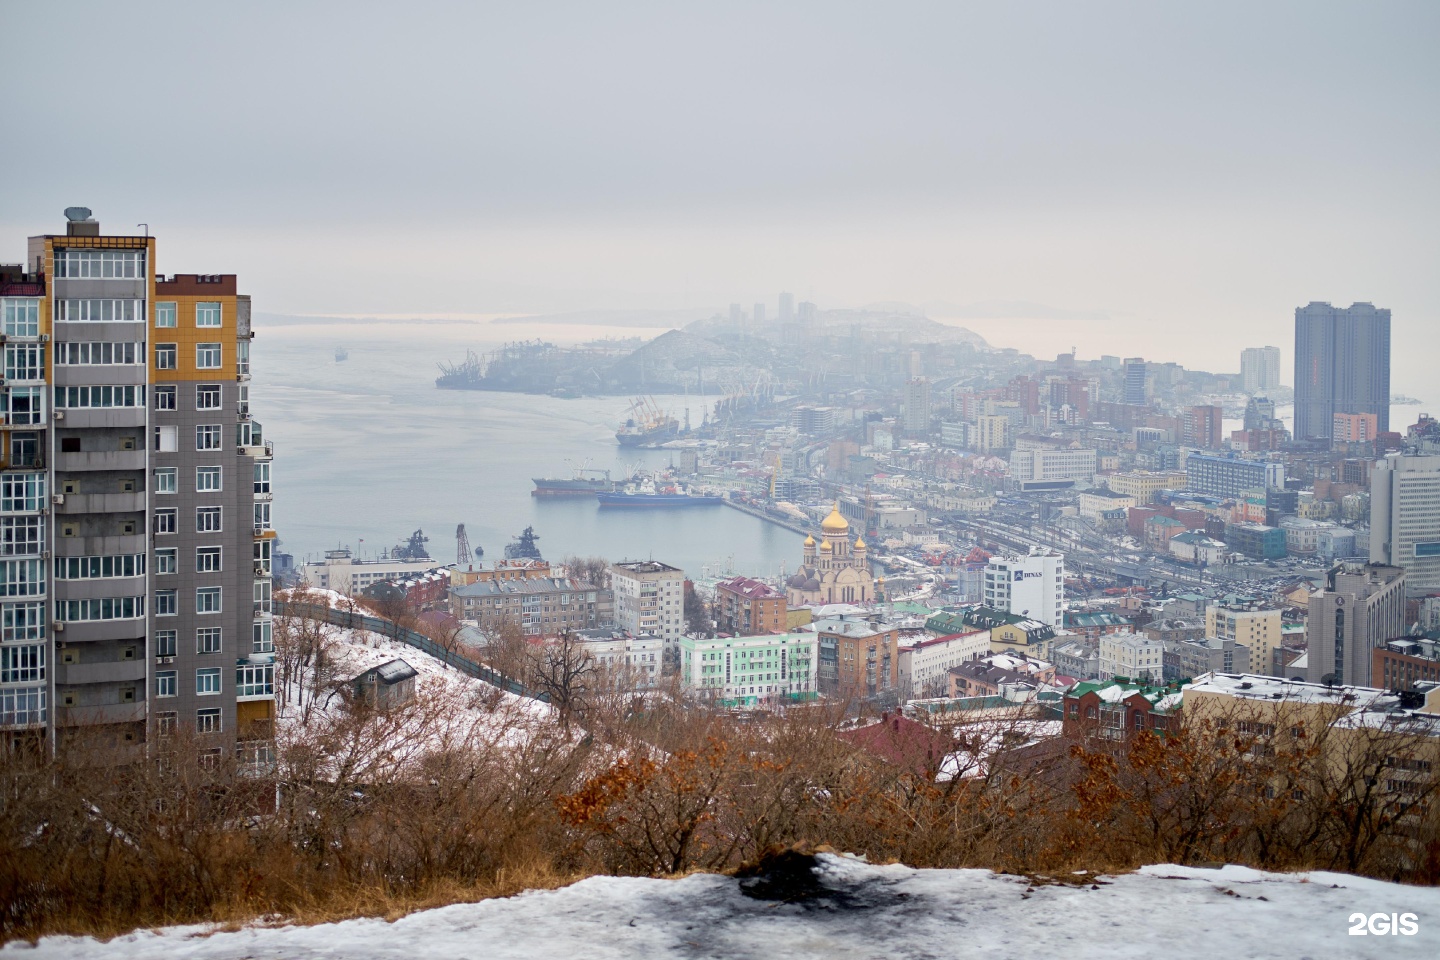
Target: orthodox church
x=833 y=571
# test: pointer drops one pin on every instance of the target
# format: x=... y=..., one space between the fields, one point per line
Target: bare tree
x=564 y=670
x=592 y=570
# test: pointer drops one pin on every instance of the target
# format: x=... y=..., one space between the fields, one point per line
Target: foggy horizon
x=1166 y=169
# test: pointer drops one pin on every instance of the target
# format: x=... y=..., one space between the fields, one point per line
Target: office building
x=1051 y=469
x=1135 y=394
x=917 y=407
x=650 y=598
x=1362 y=607
x=787 y=307
x=1342 y=365
x=991 y=433
x=1222 y=476
x=749 y=672
x=759 y=317
x=1259 y=369
x=107 y=445
x=1405 y=519
x=1031 y=586
x=1133 y=656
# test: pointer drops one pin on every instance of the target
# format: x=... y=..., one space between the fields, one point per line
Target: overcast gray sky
x=1186 y=169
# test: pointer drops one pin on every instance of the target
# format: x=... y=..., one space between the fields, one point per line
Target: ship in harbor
x=584 y=483
x=646 y=425
x=657 y=492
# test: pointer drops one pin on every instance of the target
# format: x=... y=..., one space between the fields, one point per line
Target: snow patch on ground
x=868 y=911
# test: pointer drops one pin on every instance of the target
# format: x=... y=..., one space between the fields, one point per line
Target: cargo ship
x=646 y=425
x=585 y=483
x=647 y=492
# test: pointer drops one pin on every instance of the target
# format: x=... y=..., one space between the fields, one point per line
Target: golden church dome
x=809 y=541
x=835 y=523
x=826 y=547
x=860 y=543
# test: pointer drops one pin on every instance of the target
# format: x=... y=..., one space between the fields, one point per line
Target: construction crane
x=462 y=546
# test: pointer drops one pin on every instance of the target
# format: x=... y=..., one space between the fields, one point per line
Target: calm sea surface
x=369 y=450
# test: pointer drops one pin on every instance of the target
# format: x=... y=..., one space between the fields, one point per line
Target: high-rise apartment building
x=1405 y=518
x=135 y=496
x=1204 y=426
x=1353 y=428
x=1342 y=365
x=1361 y=608
x=1134 y=382
x=650 y=598
x=917 y=407
x=1031 y=586
x=1259 y=369
x=759 y=316
x=787 y=307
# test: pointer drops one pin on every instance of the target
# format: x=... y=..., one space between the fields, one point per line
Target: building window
x=167 y=439
x=166 y=722
x=100 y=568
x=207 y=682
x=22 y=492
x=100 y=311
x=21 y=536
x=207 y=396
x=165 y=480
x=166 y=356
x=166 y=561
x=262 y=477
x=207 y=600
x=255 y=680
x=164 y=399
x=164 y=643
x=166 y=603
x=207 y=519
x=165 y=684
x=262 y=637
x=207 y=640
x=22 y=664
x=22 y=405
x=21 y=317
x=207 y=437
x=99 y=353
x=165 y=314
x=207 y=314
x=165 y=521
x=80 y=398
x=207 y=559
x=262 y=516
x=207 y=479
x=22 y=621
x=242 y=358
x=22 y=578
x=24 y=361
x=207 y=356
x=100 y=264
x=208 y=721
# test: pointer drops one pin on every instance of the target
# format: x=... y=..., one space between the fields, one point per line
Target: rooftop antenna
x=146 y=226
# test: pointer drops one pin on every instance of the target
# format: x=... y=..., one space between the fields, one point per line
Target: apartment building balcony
x=100 y=713
x=100 y=460
x=88 y=631
x=99 y=546
x=72 y=503
x=109 y=671
x=116 y=417
x=97 y=588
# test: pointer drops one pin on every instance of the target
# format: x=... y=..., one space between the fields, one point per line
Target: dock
x=792 y=525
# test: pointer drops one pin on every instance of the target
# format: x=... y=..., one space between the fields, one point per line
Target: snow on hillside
x=863 y=911
x=450 y=707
